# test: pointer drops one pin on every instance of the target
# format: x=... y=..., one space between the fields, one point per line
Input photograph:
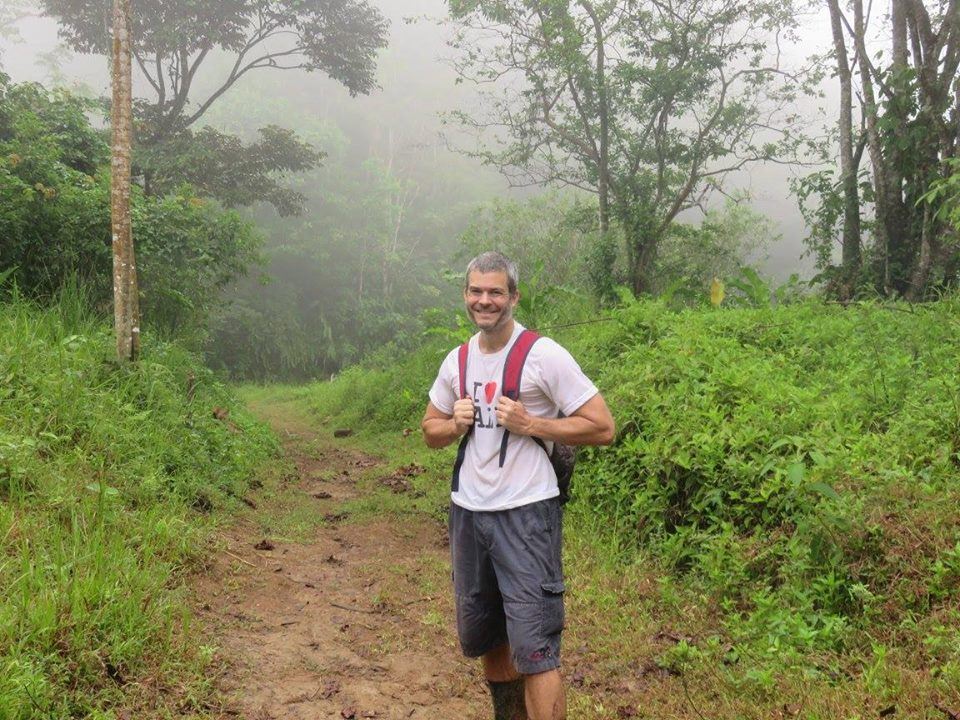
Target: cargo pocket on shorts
x=551 y=622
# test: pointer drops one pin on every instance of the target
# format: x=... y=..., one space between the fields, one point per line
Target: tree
x=648 y=104
x=11 y=13
x=849 y=157
x=126 y=294
x=175 y=39
x=222 y=166
x=910 y=127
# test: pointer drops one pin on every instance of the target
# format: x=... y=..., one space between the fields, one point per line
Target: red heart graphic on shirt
x=489 y=390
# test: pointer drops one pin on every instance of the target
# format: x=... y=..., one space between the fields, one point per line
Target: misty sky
x=417 y=85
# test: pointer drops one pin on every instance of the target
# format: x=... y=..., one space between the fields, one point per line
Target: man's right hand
x=463 y=414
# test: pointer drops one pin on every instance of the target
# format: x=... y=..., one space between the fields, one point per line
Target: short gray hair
x=493 y=261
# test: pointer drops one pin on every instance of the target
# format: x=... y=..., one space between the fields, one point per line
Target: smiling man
x=505 y=515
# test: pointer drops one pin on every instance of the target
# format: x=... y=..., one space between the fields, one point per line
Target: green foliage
x=54 y=214
x=387 y=391
x=690 y=256
x=103 y=470
x=944 y=197
x=189 y=250
x=795 y=464
x=221 y=166
x=55 y=217
x=549 y=234
x=576 y=86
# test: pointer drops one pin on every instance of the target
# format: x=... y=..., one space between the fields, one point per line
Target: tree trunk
x=897 y=216
x=642 y=241
x=921 y=273
x=848 y=167
x=126 y=302
x=884 y=198
x=603 y=113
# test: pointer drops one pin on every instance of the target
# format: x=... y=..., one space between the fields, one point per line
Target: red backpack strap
x=462 y=362
x=512 y=374
x=516 y=359
x=462 y=448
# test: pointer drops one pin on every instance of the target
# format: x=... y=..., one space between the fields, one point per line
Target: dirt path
x=353 y=622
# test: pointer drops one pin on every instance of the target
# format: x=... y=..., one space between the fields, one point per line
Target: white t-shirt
x=552 y=381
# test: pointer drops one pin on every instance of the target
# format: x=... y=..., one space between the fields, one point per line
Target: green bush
x=106 y=473
x=800 y=463
x=55 y=218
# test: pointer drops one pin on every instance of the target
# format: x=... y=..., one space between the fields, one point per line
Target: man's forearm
x=440 y=432
x=572 y=430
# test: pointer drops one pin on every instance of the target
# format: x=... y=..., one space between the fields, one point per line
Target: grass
x=111 y=479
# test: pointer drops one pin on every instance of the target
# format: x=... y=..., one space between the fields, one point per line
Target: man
x=505 y=517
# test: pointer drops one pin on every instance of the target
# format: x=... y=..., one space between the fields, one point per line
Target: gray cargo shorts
x=508 y=582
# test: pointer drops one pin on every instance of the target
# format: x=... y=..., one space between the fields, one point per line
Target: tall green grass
x=108 y=474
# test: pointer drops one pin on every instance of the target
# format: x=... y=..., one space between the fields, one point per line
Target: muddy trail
x=352 y=618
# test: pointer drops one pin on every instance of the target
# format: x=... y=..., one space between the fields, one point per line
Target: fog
x=400 y=124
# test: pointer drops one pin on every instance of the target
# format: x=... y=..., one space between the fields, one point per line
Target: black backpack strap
x=512 y=374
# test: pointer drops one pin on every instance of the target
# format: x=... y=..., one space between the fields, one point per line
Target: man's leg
x=481 y=624
x=545 y=696
x=498 y=665
x=506 y=685
x=537 y=697
x=526 y=551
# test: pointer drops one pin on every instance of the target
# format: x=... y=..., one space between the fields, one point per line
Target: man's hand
x=463 y=415
x=514 y=416
x=441 y=429
x=590 y=424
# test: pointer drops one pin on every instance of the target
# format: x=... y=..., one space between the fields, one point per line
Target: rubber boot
x=508 y=700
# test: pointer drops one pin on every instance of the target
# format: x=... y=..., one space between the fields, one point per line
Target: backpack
x=562 y=458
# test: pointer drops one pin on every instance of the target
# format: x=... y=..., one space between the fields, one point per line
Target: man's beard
x=504 y=316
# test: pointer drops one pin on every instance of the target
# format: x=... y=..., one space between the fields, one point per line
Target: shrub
x=106 y=472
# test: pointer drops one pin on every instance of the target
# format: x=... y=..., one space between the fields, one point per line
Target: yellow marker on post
x=716 y=292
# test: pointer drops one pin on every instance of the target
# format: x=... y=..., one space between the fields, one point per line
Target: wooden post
x=126 y=301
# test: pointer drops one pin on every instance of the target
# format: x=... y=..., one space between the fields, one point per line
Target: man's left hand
x=512 y=415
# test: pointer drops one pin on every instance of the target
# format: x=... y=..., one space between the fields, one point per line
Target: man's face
x=488 y=300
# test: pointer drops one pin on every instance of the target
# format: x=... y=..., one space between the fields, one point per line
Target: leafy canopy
x=338 y=37
x=172 y=41
x=648 y=104
x=220 y=165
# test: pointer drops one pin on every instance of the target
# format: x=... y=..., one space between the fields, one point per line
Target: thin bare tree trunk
x=874 y=142
x=126 y=303
x=921 y=274
x=848 y=167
